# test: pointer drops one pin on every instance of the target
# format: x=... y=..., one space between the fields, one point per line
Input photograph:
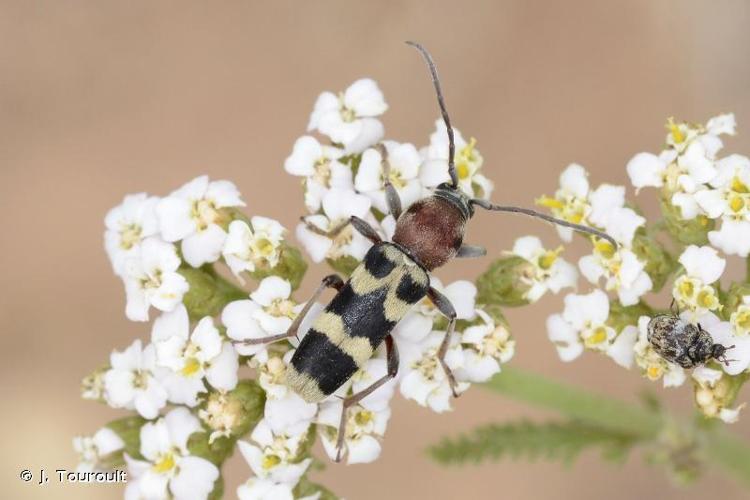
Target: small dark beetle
x=392 y=278
x=683 y=343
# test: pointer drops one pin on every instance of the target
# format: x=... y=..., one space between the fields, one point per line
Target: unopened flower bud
x=503 y=283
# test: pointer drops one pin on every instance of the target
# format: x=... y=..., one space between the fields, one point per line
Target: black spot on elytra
x=323 y=361
x=362 y=315
x=409 y=290
x=377 y=263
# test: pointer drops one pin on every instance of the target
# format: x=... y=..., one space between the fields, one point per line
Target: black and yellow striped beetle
x=392 y=278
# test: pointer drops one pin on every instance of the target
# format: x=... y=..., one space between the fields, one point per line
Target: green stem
x=721 y=447
x=576 y=403
x=747 y=269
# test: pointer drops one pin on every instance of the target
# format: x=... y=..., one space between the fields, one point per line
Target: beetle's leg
x=391 y=195
x=471 y=251
x=330 y=281
x=444 y=306
x=391 y=353
x=362 y=226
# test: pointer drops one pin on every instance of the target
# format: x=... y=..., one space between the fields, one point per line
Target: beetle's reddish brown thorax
x=432 y=230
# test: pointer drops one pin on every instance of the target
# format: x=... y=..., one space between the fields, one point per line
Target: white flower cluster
x=692 y=178
x=701 y=186
x=345 y=176
x=152 y=243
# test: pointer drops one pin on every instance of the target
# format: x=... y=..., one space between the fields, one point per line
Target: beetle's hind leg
x=362 y=226
x=392 y=360
x=330 y=281
x=444 y=306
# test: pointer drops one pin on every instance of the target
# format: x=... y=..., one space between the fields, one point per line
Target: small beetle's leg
x=362 y=226
x=444 y=306
x=391 y=353
x=330 y=281
x=391 y=195
x=471 y=251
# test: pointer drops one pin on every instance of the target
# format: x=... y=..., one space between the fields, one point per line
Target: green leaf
x=305 y=487
x=621 y=316
x=560 y=441
x=659 y=263
x=129 y=430
x=291 y=266
x=218 y=492
x=688 y=232
x=344 y=265
x=501 y=283
x=208 y=293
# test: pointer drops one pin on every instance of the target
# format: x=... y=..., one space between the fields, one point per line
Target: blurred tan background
x=99 y=99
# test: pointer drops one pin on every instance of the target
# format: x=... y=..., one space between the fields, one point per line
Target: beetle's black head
x=718 y=352
x=455 y=197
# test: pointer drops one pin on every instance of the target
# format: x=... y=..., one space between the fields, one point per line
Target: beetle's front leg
x=391 y=353
x=362 y=226
x=392 y=199
x=330 y=281
x=446 y=308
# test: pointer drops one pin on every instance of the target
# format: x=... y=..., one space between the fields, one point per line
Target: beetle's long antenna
x=533 y=213
x=443 y=111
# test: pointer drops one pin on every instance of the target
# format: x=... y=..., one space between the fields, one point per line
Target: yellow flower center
x=598 y=336
x=281 y=307
x=741 y=319
x=347 y=114
x=165 y=463
x=140 y=379
x=205 y=213
x=548 y=258
x=130 y=235
x=397 y=179
x=271 y=461
x=264 y=247
x=553 y=203
x=738 y=186
x=686 y=288
x=362 y=418
x=192 y=366
x=322 y=174
x=707 y=298
x=736 y=203
x=605 y=249
x=653 y=372
x=677 y=135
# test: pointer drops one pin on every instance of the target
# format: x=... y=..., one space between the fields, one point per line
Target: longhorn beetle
x=392 y=278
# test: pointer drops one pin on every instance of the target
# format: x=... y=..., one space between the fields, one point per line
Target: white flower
x=422 y=377
x=249 y=247
x=621 y=350
x=364 y=427
x=581 y=325
x=485 y=347
x=128 y=224
x=134 y=382
x=651 y=363
x=194 y=214
x=740 y=318
x=192 y=357
x=404 y=162
x=713 y=394
x=693 y=291
x=723 y=332
x=468 y=162
x=608 y=211
x=570 y=202
x=273 y=456
x=621 y=269
x=320 y=167
x=169 y=470
x=151 y=279
x=338 y=206
x=285 y=411
x=686 y=166
x=730 y=201
x=96 y=452
x=257 y=488
x=349 y=118
x=549 y=272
